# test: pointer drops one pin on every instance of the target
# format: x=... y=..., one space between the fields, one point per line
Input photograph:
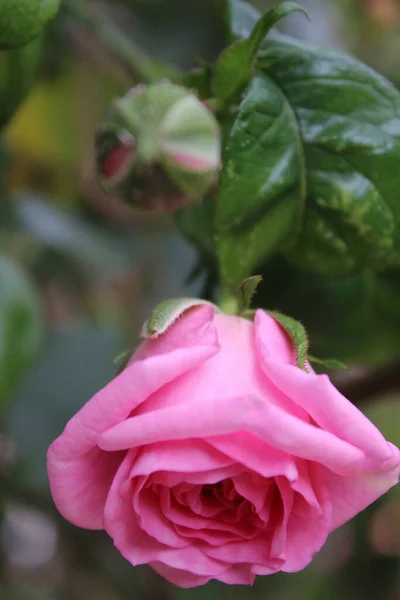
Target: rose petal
x=258 y=551
x=71 y=461
x=253 y=488
x=256 y=455
x=350 y=495
x=182 y=456
x=330 y=409
x=182 y=579
x=278 y=544
x=152 y=520
x=237 y=575
x=136 y=545
x=220 y=416
x=273 y=339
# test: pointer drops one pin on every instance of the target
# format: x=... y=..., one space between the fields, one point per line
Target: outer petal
x=308 y=526
x=350 y=495
x=80 y=475
x=237 y=574
x=274 y=341
x=220 y=416
x=182 y=579
x=330 y=410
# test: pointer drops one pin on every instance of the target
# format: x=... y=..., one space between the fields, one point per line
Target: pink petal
x=278 y=545
x=182 y=579
x=273 y=340
x=304 y=486
x=196 y=327
x=275 y=565
x=305 y=537
x=330 y=409
x=136 y=545
x=351 y=495
x=308 y=526
x=153 y=521
x=256 y=455
x=211 y=537
x=255 y=551
x=221 y=416
x=182 y=456
x=72 y=460
x=253 y=488
x=237 y=575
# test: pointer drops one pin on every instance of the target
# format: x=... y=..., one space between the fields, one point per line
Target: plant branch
x=141 y=66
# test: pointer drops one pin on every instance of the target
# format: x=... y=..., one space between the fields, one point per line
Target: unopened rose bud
x=22 y=20
x=159 y=148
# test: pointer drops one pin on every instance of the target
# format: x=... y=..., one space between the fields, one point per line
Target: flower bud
x=22 y=20
x=159 y=147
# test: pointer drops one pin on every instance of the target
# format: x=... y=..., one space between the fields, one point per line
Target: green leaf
x=195 y=221
x=345 y=119
x=18 y=70
x=20 y=326
x=234 y=67
x=349 y=122
x=22 y=20
x=262 y=183
x=297 y=334
x=246 y=291
x=327 y=363
x=165 y=314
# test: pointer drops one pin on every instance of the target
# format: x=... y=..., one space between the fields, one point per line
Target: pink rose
x=212 y=456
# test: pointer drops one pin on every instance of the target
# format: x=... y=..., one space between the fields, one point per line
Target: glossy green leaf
x=345 y=119
x=20 y=326
x=234 y=68
x=297 y=334
x=349 y=122
x=262 y=182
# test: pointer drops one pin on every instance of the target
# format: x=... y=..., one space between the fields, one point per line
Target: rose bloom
x=213 y=456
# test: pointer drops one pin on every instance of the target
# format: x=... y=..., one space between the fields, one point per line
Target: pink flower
x=212 y=456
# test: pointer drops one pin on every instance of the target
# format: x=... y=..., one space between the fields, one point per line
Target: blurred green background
x=79 y=273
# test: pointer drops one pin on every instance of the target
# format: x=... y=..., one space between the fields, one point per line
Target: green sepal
x=234 y=68
x=122 y=360
x=246 y=291
x=297 y=334
x=328 y=363
x=167 y=313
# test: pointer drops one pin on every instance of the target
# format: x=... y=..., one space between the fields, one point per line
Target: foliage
x=306 y=197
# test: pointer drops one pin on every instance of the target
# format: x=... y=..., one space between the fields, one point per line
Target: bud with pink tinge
x=159 y=148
